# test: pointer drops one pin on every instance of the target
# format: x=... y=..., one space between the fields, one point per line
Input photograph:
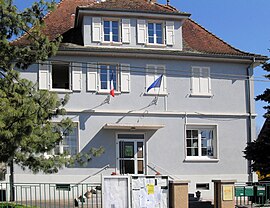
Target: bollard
x=179 y=194
x=224 y=193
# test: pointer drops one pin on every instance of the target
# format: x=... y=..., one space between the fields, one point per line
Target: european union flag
x=156 y=83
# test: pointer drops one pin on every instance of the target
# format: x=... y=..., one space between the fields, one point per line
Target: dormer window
x=159 y=33
x=111 y=31
x=155 y=33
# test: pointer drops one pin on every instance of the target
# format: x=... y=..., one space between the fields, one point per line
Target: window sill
x=108 y=92
x=61 y=90
x=163 y=94
x=201 y=95
x=206 y=160
x=112 y=43
x=153 y=45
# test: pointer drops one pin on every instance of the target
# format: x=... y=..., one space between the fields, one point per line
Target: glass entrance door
x=131 y=153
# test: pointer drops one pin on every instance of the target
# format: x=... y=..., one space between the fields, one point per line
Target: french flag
x=111 y=85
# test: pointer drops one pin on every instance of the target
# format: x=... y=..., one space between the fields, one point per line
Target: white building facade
x=193 y=127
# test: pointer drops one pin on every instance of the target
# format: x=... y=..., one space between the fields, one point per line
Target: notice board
x=115 y=191
x=150 y=191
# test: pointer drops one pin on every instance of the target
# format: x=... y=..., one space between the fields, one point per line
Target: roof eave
x=252 y=58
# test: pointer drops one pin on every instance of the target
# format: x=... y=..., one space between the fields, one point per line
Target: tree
x=258 y=151
x=29 y=22
x=26 y=114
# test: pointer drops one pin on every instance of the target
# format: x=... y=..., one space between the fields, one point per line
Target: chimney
x=168 y=2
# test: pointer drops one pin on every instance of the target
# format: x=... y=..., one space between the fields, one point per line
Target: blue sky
x=242 y=23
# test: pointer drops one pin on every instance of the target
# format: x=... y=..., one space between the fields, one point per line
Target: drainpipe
x=250 y=87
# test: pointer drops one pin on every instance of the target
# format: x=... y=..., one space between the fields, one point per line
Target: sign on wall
x=227 y=192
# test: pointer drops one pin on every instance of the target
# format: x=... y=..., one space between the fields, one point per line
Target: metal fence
x=252 y=194
x=47 y=195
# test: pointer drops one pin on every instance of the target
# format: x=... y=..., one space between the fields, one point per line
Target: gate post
x=179 y=194
x=224 y=193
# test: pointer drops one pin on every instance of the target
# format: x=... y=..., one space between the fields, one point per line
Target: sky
x=243 y=24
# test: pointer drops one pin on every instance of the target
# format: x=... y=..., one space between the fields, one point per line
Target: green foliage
x=13 y=205
x=26 y=114
x=14 y=23
x=265 y=96
x=26 y=130
x=258 y=151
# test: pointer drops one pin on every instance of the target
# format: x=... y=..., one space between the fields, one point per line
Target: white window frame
x=202 y=91
x=155 y=34
x=61 y=146
x=156 y=91
x=111 y=34
x=193 y=126
x=135 y=147
x=117 y=90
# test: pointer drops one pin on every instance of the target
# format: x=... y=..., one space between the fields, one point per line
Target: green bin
x=249 y=191
x=240 y=191
x=260 y=191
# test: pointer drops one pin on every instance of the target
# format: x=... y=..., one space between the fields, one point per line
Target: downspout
x=250 y=111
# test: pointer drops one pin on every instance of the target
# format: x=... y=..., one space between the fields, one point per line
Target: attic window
x=111 y=30
x=155 y=35
x=60 y=76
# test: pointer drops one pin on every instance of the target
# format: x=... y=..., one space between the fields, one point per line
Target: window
x=200 y=81
x=153 y=72
x=60 y=76
x=106 y=74
x=151 y=32
x=130 y=154
x=69 y=143
x=202 y=186
x=155 y=34
x=201 y=142
x=99 y=76
x=111 y=31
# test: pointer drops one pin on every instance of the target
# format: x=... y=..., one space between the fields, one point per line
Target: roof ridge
x=248 y=53
x=167 y=7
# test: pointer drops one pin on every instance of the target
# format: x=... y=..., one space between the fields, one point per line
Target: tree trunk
x=11 y=181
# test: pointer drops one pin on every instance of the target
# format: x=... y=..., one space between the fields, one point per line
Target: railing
x=47 y=195
x=252 y=194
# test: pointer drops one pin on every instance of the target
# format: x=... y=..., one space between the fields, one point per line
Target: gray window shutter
x=96 y=29
x=76 y=76
x=126 y=30
x=169 y=33
x=92 y=77
x=125 y=78
x=205 y=84
x=195 y=80
x=141 y=31
x=44 y=75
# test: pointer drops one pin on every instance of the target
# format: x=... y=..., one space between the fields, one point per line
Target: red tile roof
x=134 y=5
x=199 y=39
x=195 y=37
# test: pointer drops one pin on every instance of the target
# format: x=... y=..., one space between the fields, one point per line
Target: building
x=193 y=127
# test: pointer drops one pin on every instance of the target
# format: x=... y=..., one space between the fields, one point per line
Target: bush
x=13 y=205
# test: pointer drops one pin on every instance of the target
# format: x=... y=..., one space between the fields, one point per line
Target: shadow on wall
x=106 y=139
